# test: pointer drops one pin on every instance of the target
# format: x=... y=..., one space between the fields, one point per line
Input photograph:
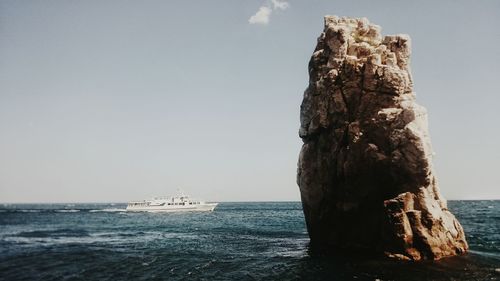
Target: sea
x=237 y=241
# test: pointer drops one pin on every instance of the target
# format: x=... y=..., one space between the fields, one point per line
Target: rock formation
x=365 y=171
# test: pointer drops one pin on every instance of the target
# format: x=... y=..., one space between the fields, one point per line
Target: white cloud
x=262 y=16
x=279 y=4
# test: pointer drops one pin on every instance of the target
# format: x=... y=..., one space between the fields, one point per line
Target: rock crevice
x=365 y=169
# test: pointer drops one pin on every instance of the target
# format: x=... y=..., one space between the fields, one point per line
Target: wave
x=107 y=210
x=36 y=241
x=54 y=233
x=39 y=210
x=486 y=254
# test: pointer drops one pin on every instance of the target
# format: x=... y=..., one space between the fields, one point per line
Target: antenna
x=180 y=192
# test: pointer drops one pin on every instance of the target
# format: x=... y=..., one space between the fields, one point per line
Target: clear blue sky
x=120 y=100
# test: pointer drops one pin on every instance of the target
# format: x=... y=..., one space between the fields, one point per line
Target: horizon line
x=222 y=201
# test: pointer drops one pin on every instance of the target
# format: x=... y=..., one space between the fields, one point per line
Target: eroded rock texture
x=365 y=170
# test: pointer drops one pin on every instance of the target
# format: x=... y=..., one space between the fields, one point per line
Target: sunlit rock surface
x=365 y=169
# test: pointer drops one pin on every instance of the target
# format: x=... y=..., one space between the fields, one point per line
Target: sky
x=111 y=100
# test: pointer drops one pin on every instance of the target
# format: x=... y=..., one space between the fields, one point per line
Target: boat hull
x=169 y=209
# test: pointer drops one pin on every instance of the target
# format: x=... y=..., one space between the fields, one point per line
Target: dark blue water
x=238 y=241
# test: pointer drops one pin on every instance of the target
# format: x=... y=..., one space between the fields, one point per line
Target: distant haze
x=120 y=100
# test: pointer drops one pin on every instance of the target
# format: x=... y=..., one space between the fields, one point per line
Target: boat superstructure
x=170 y=204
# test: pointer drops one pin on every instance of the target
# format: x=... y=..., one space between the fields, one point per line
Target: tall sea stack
x=365 y=169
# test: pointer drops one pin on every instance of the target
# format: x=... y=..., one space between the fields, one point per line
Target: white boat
x=181 y=203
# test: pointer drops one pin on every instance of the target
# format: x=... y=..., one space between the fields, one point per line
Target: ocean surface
x=238 y=241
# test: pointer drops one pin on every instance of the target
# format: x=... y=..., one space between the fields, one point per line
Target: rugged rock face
x=365 y=171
